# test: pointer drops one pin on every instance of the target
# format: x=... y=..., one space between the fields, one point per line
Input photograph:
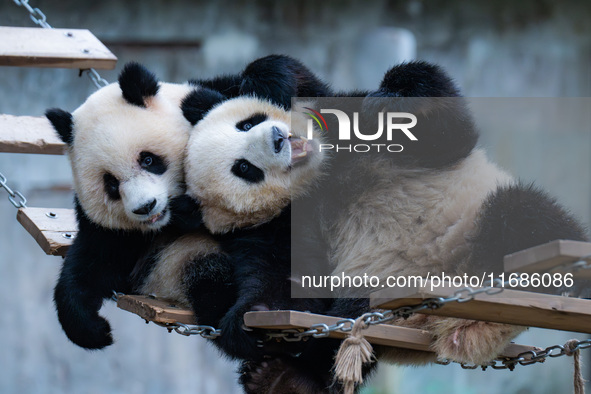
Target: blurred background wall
x=493 y=49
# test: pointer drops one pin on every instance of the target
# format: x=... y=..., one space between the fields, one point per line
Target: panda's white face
x=127 y=160
x=246 y=161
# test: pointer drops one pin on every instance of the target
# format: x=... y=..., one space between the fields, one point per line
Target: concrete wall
x=493 y=49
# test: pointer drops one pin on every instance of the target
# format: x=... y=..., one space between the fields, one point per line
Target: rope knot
x=353 y=353
x=570 y=349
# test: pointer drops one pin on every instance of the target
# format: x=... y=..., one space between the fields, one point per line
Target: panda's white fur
x=109 y=136
x=228 y=202
x=381 y=236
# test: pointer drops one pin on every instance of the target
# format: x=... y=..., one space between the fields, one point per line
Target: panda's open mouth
x=300 y=149
x=156 y=218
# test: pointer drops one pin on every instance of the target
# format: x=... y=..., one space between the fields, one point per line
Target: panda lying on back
x=438 y=206
x=126 y=144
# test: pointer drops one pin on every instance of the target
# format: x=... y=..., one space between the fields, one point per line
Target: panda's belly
x=417 y=222
x=167 y=276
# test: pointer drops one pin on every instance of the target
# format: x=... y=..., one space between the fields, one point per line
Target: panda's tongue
x=155 y=218
x=299 y=150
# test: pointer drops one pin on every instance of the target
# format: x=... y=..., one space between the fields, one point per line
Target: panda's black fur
x=277 y=78
x=102 y=256
x=98 y=263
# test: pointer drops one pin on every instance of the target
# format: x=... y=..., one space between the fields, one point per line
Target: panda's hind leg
x=514 y=218
x=470 y=341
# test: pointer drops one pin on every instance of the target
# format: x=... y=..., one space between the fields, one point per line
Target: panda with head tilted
x=126 y=146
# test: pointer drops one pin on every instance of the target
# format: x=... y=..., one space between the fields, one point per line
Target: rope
x=353 y=353
x=572 y=349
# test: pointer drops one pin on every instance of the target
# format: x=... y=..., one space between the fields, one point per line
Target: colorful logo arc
x=315 y=115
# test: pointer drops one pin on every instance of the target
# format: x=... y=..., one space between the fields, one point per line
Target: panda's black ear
x=137 y=83
x=279 y=78
x=197 y=103
x=62 y=123
x=416 y=79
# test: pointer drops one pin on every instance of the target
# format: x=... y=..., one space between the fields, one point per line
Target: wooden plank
x=54 y=233
x=550 y=256
x=28 y=134
x=165 y=311
x=510 y=306
x=156 y=310
x=65 y=48
x=380 y=334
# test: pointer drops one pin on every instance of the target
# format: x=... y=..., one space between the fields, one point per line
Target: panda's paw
x=279 y=376
x=92 y=335
x=416 y=79
x=470 y=341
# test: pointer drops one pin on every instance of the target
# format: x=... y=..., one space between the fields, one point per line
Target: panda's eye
x=111 y=185
x=249 y=123
x=249 y=172
x=152 y=163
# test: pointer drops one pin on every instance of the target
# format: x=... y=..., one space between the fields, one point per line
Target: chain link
x=208 y=332
x=39 y=18
x=583 y=263
x=36 y=14
x=13 y=195
x=529 y=357
x=94 y=76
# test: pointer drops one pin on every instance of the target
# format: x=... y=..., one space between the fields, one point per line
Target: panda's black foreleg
x=77 y=307
x=444 y=132
x=211 y=287
x=99 y=262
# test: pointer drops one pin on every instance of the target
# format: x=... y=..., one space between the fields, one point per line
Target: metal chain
x=208 y=332
x=36 y=14
x=583 y=263
x=323 y=330
x=529 y=357
x=39 y=18
x=13 y=195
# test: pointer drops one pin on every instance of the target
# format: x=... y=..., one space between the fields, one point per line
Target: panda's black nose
x=278 y=139
x=146 y=208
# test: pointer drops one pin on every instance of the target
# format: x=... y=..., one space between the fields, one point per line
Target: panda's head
x=247 y=158
x=126 y=147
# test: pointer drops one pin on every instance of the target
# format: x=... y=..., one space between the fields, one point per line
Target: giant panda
x=246 y=162
x=437 y=206
x=440 y=205
x=126 y=146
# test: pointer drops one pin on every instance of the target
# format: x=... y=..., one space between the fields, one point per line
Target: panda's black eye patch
x=244 y=169
x=249 y=123
x=111 y=186
x=152 y=163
